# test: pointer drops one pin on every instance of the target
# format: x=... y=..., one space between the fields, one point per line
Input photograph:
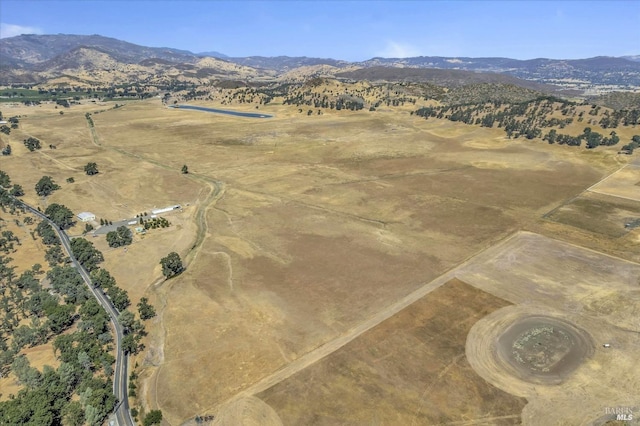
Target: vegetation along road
x=123 y=416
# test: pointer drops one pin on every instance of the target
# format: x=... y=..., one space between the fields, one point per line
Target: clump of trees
x=46 y=232
x=91 y=169
x=6 y=150
x=103 y=279
x=145 y=309
x=16 y=190
x=60 y=215
x=171 y=265
x=86 y=254
x=156 y=222
x=528 y=119
x=5 y=180
x=122 y=236
x=154 y=417
x=635 y=143
x=79 y=391
x=46 y=186
x=32 y=143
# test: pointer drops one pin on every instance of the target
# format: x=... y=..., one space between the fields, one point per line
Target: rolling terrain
x=37 y=59
x=385 y=245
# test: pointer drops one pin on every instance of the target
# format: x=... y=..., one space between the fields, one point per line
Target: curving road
x=122 y=413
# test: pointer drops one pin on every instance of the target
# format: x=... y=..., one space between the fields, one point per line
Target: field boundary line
x=331 y=346
x=572 y=199
x=557 y=240
x=608 y=194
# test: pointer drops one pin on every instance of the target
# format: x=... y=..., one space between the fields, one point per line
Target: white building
x=166 y=209
x=86 y=216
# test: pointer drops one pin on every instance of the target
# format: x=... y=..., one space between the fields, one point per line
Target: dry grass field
x=299 y=229
x=591 y=291
x=410 y=369
x=598 y=213
x=27 y=253
x=625 y=183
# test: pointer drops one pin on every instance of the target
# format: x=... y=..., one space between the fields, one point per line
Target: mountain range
x=94 y=58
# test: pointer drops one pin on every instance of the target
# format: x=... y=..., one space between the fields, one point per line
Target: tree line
x=79 y=391
x=529 y=119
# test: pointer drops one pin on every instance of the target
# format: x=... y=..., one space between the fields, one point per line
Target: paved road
x=123 y=416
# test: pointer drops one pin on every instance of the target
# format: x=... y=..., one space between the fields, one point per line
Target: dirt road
x=330 y=347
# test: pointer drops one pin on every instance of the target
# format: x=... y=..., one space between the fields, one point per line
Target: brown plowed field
x=410 y=369
x=302 y=233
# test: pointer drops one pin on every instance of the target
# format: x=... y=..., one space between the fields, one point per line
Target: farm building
x=166 y=209
x=86 y=216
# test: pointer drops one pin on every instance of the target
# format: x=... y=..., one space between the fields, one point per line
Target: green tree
x=32 y=143
x=66 y=281
x=73 y=414
x=5 y=180
x=129 y=344
x=60 y=215
x=119 y=297
x=91 y=169
x=171 y=265
x=122 y=236
x=102 y=278
x=46 y=232
x=54 y=256
x=6 y=150
x=46 y=186
x=185 y=169
x=86 y=253
x=60 y=318
x=145 y=309
x=154 y=417
x=26 y=374
x=17 y=190
x=126 y=319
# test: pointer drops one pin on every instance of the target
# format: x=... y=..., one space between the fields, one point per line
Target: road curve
x=123 y=415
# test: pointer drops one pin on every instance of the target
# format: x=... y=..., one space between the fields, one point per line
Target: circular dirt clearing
x=542 y=349
x=249 y=411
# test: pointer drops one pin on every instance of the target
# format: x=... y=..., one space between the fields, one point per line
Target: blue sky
x=350 y=30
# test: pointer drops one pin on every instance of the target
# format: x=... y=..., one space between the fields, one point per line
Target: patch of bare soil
x=543 y=349
x=250 y=411
x=589 y=296
x=410 y=369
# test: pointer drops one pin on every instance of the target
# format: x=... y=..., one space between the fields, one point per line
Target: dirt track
x=547 y=277
x=510 y=268
x=330 y=347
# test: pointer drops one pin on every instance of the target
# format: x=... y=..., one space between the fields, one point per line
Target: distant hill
x=39 y=58
x=602 y=70
x=213 y=54
x=617 y=100
x=440 y=77
x=286 y=63
x=26 y=51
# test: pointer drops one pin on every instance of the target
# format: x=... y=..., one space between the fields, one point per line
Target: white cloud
x=10 y=30
x=398 y=50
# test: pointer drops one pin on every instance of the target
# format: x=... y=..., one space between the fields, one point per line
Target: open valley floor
x=358 y=267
